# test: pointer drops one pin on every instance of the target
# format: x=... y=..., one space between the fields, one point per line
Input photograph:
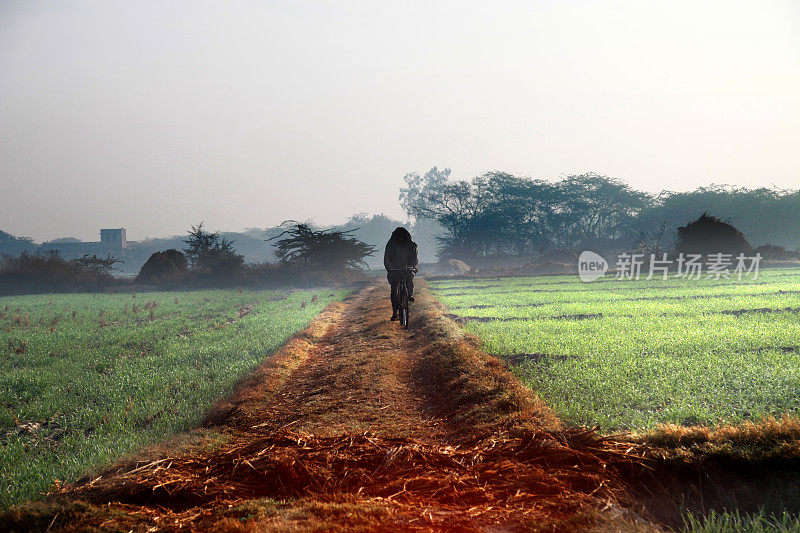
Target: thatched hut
x=709 y=235
x=169 y=266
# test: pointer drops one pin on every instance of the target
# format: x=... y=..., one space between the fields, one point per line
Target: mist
x=154 y=116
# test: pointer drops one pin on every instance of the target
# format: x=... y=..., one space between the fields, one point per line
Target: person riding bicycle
x=398 y=258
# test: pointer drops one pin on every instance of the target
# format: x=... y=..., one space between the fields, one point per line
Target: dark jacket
x=398 y=255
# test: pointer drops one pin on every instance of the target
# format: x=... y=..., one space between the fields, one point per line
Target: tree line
x=489 y=216
x=499 y=214
x=305 y=254
x=250 y=242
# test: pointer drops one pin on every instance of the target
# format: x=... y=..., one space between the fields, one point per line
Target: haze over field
x=242 y=114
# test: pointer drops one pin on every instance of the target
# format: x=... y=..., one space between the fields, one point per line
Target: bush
x=48 y=271
x=211 y=256
x=321 y=251
x=772 y=251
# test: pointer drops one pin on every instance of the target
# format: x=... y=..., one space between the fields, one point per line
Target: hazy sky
x=156 y=115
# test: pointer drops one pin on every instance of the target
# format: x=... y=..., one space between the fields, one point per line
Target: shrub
x=48 y=271
x=772 y=251
x=212 y=256
x=321 y=251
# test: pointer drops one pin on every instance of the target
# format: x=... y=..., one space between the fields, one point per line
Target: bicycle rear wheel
x=404 y=306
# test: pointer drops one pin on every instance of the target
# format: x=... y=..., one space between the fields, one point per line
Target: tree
x=96 y=265
x=9 y=244
x=209 y=253
x=498 y=214
x=596 y=207
x=374 y=230
x=763 y=215
x=420 y=191
x=302 y=246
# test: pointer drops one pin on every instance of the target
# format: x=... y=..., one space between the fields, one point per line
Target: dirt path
x=357 y=377
x=358 y=424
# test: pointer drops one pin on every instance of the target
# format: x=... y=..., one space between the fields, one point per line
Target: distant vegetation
x=302 y=247
x=628 y=355
x=306 y=257
x=498 y=214
x=491 y=218
x=211 y=255
x=11 y=245
x=250 y=243
x=47 y=271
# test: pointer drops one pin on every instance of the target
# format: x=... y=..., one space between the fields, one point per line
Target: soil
x=357 y=424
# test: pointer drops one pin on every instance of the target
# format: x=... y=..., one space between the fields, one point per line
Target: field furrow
x=632 y=354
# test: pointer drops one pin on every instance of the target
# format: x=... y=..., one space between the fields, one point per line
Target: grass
x=757 y=442
x=266 y=514
x=631 y=355
x=87 y=378
x=733 y=522
x=260 y=514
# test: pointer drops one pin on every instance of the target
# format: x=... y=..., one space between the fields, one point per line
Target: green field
x=628 y=355
x=88 y=377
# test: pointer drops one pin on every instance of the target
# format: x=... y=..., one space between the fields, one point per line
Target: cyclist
x=399 y=257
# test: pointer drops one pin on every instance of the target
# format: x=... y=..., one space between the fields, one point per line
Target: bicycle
x=402 y=296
